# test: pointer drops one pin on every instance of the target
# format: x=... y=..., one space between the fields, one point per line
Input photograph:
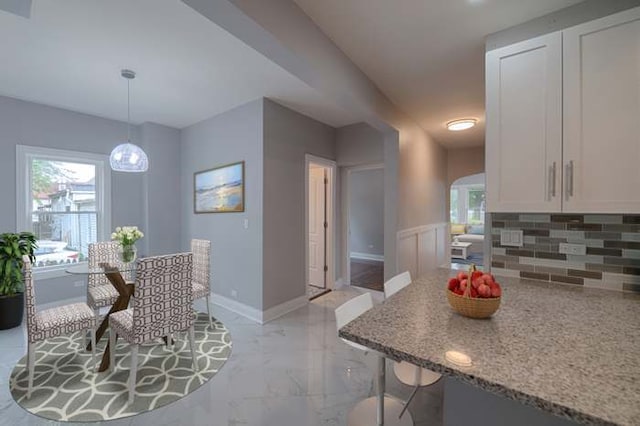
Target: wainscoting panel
x=422 y=249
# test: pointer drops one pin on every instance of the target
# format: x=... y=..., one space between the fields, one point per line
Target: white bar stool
x=407 y=373
x=376 y=410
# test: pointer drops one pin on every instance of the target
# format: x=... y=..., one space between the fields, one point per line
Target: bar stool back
x=407 y=373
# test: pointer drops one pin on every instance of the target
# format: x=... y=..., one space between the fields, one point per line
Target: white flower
x=127 y=235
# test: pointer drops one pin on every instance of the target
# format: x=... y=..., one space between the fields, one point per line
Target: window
x=64 y=199
x=467 y=204
x=455 y=217
x=475 y=206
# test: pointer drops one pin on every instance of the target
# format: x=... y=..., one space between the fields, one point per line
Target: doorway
x=320 y=219
x=365 y=226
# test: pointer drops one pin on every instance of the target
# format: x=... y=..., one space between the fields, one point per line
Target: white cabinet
x=524 y=126
x=563 y=120
x=601 y=143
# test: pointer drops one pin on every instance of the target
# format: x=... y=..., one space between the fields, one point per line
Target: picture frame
x=220 y=189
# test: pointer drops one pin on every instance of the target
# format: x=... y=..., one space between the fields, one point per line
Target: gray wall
x=288 y=136
x=366 y=211
x=162 y=207
x=235 y=135
x=26 y=123
x=359 y=144
x=281 y=31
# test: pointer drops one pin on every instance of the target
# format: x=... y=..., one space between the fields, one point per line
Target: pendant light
x=128 y=157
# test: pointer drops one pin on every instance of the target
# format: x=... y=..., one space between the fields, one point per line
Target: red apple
x=496 y=291
x=463 y=284
x=484 y=290
x=461 y=276
x=473 y=293
x=453 y=283
x=475 y=275
x=458 y=291
x=477 y=282
x=488 y=279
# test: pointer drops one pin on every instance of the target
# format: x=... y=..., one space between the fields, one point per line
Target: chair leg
x=133 y=372
x=192 y=345
x=84 y=338
x=31 y=357
x=209 y=312
x=406 y=404
x=112 y=349
x=93 y=346
x=170 y=341
x=418 y=380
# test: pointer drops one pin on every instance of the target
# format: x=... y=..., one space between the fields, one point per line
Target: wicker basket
x=473 y=307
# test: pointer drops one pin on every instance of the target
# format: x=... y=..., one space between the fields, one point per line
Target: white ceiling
x=70 y=52
x=427 y=56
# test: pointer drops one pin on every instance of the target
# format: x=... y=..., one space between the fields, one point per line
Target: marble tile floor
x=293 y=371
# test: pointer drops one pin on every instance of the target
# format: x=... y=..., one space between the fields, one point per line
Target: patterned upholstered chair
x=100 y=292
x=201 y=250
x=162 y=305
x=53 y=322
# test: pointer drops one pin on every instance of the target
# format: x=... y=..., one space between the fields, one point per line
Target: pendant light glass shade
x=128 y=157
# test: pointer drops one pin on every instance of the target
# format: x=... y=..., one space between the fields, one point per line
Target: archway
x=466 y=213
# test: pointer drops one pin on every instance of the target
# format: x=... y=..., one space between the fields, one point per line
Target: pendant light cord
x=128 y=111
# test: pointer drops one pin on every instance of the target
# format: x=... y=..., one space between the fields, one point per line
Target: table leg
x=381 y=388
x=126 y=291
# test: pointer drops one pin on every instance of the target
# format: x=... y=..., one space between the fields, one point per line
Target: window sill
x=45 y=273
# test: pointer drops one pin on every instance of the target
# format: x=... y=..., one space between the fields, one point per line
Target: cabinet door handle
x=552 y=178
x=569 y=179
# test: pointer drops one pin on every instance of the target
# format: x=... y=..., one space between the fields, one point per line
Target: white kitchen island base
x=468 y=405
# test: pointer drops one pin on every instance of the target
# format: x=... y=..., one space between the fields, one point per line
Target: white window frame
x=24 y=204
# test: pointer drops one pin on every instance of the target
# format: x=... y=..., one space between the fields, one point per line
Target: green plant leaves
x=12 y=247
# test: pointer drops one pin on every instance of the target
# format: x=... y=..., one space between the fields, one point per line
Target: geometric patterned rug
x=67 y=388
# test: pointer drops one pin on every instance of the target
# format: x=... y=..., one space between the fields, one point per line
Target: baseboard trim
x=261 y=317
x=238 y=307
x=367 y=256
x=284 y=308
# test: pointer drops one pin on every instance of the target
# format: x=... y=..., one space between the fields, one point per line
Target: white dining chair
x=162 y=306
x=408 y=373
x=367 y=411
x=53 y=322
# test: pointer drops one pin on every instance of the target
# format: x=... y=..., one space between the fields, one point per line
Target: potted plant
x=12 y=247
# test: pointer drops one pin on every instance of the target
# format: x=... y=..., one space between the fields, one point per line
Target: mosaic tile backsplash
x=612 y=259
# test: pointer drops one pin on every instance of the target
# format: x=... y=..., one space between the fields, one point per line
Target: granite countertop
x=565 y=349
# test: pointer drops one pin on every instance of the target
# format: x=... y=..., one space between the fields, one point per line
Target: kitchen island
x=567 y=350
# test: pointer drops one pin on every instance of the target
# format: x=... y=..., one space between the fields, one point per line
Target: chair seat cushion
x=62 y=320
x=408 y=374
x=102 y=295
x=121 y=322
x=199 y=291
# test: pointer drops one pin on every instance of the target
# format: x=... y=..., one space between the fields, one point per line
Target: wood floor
x=368 y=274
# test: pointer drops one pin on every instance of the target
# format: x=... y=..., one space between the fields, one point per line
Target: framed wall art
x=219 y=190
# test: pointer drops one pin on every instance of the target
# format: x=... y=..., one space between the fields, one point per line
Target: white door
x=602 y=115
x=524 y=126
x=317 y=230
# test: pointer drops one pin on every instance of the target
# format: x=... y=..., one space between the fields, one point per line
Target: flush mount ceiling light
x=464 y=124
x=128 y=157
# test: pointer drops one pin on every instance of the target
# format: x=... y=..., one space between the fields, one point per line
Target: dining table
x=125 y=292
